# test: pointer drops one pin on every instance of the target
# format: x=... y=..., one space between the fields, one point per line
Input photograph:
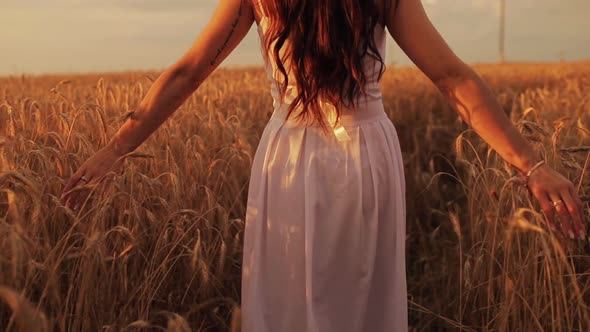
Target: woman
x=325 y=220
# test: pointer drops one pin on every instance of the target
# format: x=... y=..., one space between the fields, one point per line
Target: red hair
x=328 y=40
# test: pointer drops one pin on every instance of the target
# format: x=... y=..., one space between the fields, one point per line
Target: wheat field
x=161 y=249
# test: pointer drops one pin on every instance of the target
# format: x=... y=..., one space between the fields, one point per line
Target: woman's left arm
x=227 y=27
x=473 y=100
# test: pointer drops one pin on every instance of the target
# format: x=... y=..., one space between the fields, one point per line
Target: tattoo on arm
x=231 y=33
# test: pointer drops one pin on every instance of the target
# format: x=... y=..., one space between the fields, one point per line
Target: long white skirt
x=324 y=242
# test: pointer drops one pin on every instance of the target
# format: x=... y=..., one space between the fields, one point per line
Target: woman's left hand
x=89 y=175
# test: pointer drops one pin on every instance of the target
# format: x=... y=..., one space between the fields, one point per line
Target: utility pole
x=502 y=29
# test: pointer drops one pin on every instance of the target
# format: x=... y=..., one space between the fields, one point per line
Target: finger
x=564 y=216
x=579 y=206
x=69 y=197
x=70 y=201
x=65 y=191
x=578 y=201
x=574 y=213
x=73 y=197
x=75 y=202
x=63 y=198
x=80 y=199
x=73 y=182
x=78 y=203
x=547 y=209
x=67 y=202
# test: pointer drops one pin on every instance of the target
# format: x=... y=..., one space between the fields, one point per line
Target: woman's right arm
x=227 y=27
x=464 y=89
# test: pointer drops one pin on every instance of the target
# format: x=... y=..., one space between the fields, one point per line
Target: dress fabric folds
x=325 y=225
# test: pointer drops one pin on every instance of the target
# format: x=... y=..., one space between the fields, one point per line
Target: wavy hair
x=328 y=40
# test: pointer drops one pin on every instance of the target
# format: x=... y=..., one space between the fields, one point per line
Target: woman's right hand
x=548 y=186
x=92 y=173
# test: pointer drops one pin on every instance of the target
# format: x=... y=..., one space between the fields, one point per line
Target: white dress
x=324 y=241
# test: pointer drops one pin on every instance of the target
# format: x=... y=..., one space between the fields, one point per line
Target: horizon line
x=242 y=67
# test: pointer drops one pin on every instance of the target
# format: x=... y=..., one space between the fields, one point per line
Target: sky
x=67 y=36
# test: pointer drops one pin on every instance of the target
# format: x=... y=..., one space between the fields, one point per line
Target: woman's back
x=342 y=65
x=371 y=65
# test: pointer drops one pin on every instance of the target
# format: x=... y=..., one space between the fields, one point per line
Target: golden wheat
x=162 y=248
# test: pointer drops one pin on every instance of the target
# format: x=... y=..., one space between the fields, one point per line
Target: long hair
x=328 y=40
